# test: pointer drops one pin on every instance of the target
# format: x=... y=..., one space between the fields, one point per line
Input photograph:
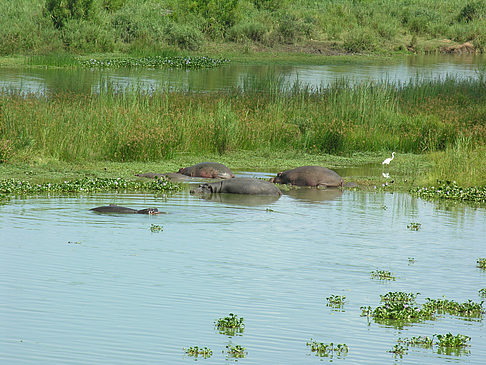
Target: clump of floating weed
x=85 y=185
x=450 y=190
x=481 y=263
x=398 y=306
x=198 y=351
x=447 y=343
x=336 y=301
x=230 y=325
x=236 y=351
x=467 y=309
x=382 y=275
x=414 y=226
x=325 y=350
x=156 y=228
x=156 y=62
x=399 y=350
x=482 y=293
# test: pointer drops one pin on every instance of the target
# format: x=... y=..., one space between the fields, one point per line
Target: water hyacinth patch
x=86 y=185
x=450 y=190
x=156 y=228
x=230 y=325
x=382 y=275
x=236 y=351
x=336 y=301
x=199 y=351
x=325 y=350
x=466 y=309
x=481 y=263
x=414 y=226
x=157 y=62
x=423 y=341
x=399 y=350
x=482 y=293
x=448 y=343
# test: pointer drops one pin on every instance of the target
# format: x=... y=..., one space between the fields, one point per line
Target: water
x=77 y=287
x=234 y=75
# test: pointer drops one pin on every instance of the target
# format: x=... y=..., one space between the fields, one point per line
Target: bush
x=359 y=40
x=61 y=11
x=83 y=36
x=184 y=36
x=251 y=30
x=472 y=11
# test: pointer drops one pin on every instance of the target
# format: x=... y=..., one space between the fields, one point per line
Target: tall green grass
x=419 y=117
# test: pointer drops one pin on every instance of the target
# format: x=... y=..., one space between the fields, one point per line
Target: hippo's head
x=277 y=179
x=148 y=211
x=202 y=189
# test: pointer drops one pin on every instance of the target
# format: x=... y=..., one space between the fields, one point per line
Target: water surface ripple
x=78 y=287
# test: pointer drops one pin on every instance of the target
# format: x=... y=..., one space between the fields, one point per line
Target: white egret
x=388 y=160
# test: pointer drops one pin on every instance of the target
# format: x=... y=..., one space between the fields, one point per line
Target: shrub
x=358 y=40
x=249 y=30
x=472 y=11
x=61 y=11
x=184 y=36
x=83 y=36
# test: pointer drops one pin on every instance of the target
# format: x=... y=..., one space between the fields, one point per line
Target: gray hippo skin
x=112 y=208
x=239 y=185
x=210 y=170
x=315 y=176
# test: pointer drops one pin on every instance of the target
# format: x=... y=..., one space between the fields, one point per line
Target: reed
x=443 y=117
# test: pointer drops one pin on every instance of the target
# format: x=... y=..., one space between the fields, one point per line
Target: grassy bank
x=443 y=119
x=313 y=27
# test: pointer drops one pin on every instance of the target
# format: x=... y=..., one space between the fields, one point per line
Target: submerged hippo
x=239 y=185
x=112 y=208
x=210 y=170
x=316 y=176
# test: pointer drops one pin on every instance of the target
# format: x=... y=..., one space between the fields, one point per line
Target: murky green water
x=77 y=287
x=234 y=75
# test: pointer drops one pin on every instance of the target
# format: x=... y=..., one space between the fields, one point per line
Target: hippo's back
x=311 y=176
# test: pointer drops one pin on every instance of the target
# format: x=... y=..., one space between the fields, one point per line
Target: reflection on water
x=236 y=75
x=83 y=288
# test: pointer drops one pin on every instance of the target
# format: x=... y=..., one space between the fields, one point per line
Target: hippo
x=208 y=170
x=112 y=208
x=239 y=185
x=315 y=176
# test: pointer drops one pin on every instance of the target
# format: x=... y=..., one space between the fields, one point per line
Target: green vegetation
x=481 y=263
x=155 y=62
x=382 y=275
x=399 y=308
x=482 y=293
x=326 y=350
x=236 y=351
x=13 y=187
x=336 y=301
x=156 y=228
x=244 y=26
x=448 y=343
x=341 y=120
x=451 y=191
x=467 y=309
x=414 y=226
x=199 y=351
x=230 y=325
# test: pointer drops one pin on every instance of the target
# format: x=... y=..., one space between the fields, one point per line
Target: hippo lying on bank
x=209 y=170
x=239 y=185
x=316 y=176
x=112 y=208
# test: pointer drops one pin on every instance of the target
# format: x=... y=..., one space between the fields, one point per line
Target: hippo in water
x=210 y=170
x=112 y=208
x=239 y=185
x=316 y=176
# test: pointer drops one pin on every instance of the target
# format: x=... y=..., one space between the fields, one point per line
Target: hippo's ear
x=280 y=173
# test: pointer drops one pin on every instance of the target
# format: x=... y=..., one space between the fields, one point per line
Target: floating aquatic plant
x=414 y=226
x=323 y=349
x=85 y=185
x=447 y=343
x=199 y=351
x=481 y=263
x=230 y=325
x=411 y=260
x=449 y=340
x=482 y=293
x=382 y=275
x=336 y=301
x=467 y=309
x=156 y=228
x=450 y=190
x=423 y=341
x=196 y=62
x=399 y=350
x=236 y=351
